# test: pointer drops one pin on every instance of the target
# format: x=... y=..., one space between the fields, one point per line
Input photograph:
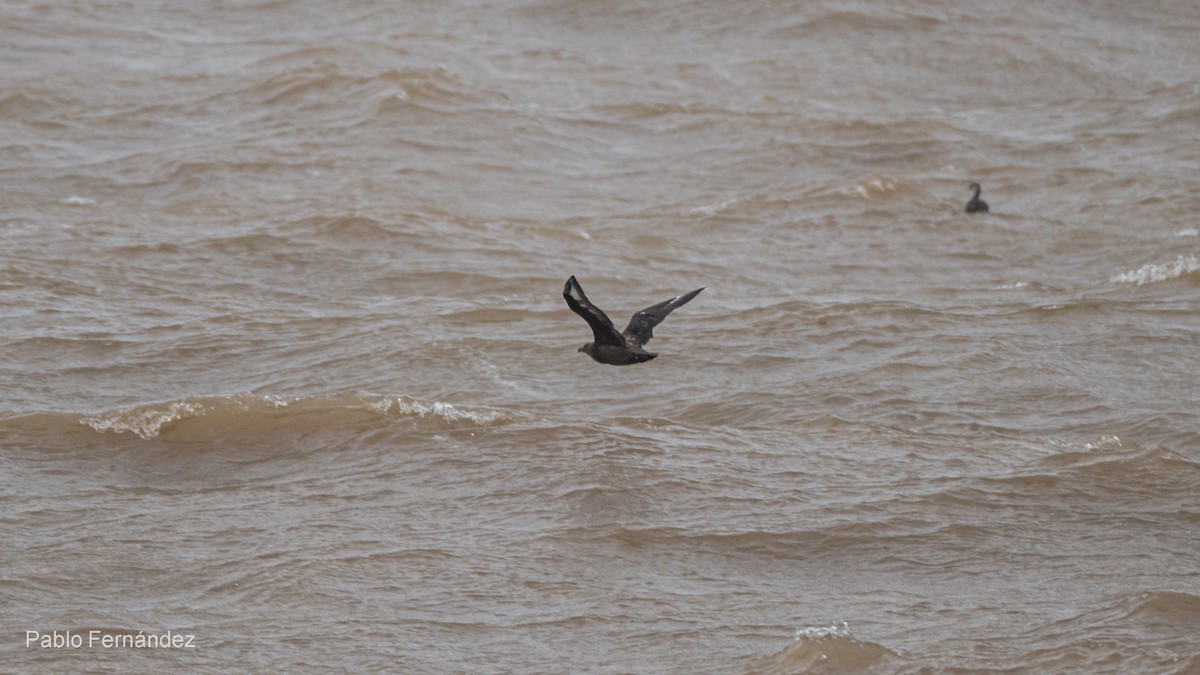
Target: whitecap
x=1155 y=272
x=874 y=185
x=146 y=422
x=1110 y=443
x=839 y=629
x=410 y=406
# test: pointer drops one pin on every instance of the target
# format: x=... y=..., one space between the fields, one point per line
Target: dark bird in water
x=975 y=205
x=611 y=347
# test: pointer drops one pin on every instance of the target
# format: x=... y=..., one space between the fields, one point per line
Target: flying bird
x=611 y=347
x=976 y=205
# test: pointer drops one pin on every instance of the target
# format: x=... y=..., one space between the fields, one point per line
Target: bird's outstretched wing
x=602 y=326
x=641 y=326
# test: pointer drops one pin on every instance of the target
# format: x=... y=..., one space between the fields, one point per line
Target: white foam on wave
x=1109 y=443
x=146 y=422
x=831 y=649
x=406 y=405
x=839 y=629
x=711 y=209
x=873 y=186
x=275 y=400
x=151 y=420
x=1156 y=272
x=78 y=201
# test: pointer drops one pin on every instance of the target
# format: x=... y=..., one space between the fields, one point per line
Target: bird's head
x=587 y=349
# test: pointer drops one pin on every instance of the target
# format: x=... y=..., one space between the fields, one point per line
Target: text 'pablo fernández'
x=98 y=639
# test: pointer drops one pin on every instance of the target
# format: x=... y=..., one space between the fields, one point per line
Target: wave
x=828 y=539
x=1112 y=470
x=199 y=417
x=828 y=649
x=347 y=226
x=22 y=100
x=145 y=422
x=1151 y=273
x=1121 y=463
x=1168 y=607
x=1145 y=632
x=857 y=22
x=1148 y=629
x=320 y=81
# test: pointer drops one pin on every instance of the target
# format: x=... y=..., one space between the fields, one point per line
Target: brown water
x=288 y=369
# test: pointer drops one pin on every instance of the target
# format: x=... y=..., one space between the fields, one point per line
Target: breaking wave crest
x=406 y=405
x=828 y=649
x=227 y=414
x=146 y=421
x=1157 y=272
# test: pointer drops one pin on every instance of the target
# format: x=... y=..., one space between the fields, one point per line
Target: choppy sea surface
x=287 y=369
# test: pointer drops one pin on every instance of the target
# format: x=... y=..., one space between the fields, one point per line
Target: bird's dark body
x=614 y=355
x=624 y=348
x=975 y=204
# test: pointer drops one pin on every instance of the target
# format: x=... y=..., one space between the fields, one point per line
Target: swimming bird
x=975 y=205
x=611 y=347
